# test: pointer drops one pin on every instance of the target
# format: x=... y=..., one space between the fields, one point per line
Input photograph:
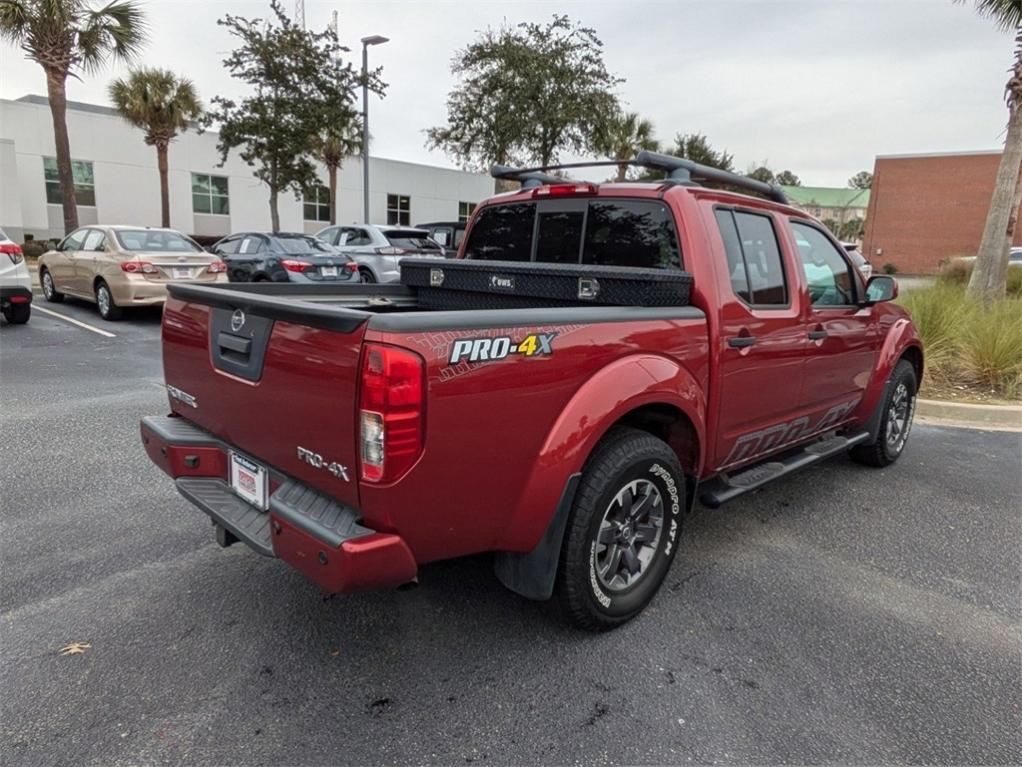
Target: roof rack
x=678 y=169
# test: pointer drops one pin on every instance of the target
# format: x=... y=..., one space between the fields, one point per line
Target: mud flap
x=532 y=574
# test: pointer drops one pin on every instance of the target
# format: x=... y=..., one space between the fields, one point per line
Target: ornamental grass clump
x=991 y=346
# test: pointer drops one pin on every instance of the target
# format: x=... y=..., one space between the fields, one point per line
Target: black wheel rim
x=899 y=417
x=629 y=535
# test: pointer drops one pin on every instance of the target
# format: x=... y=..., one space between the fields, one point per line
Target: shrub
x=939 y=313
x=1014 y=284
x=890 y=268
x=956 y=272
x=991 y=346
x=33 y=248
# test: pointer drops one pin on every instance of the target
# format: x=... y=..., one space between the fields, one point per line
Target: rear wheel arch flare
x=914 y=355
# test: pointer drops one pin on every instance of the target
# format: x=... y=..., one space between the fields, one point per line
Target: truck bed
x=397 y=308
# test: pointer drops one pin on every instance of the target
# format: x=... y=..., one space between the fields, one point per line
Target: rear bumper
x=15 y=294
x=312 y=532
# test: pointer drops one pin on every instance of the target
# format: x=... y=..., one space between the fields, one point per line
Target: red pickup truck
x=357 y=432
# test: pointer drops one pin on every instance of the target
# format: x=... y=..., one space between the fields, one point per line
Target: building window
x=465 y=210
x=81 y=171
x=399 y=209
x=316 y=205
x=209 y=194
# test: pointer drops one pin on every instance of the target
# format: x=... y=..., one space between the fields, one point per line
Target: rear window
x=502 y=233
x=635 y=233
x=155 y=241
x=301 y=245
x=411 y=240
x=753 y=257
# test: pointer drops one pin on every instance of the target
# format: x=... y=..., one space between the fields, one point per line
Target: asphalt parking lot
x=847 y=615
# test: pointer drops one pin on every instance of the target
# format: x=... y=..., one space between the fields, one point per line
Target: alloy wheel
x=103 y=299
x=629 y=535
x=899 y=418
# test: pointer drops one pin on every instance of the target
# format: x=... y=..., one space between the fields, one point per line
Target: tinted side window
x=251 y=245
x=502 y=233
x=625 y=233
x=762 y=259
x=228 y=247
x=74 y=240
x=829 y=275
x=733 y=251
x=560 y=236
x=94 y=240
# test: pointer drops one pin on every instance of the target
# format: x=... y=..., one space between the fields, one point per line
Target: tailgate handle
x=236 y=344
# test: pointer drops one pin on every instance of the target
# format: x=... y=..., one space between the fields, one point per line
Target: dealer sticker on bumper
x=248 y=480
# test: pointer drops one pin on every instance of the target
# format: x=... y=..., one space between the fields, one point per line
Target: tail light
x=13 y=252
x=216 y=267
x=565 y=190
x=390 y=251
x=294 y=265
x=392 y=412
x=351 y=266
x=138 y=267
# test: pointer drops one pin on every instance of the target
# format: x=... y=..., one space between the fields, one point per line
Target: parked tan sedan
x=123 y=266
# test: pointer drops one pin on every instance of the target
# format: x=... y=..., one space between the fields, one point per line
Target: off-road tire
x=50 y=293
x=622 y=457
x=883 y=451
x=17 y=314
x=108 y=310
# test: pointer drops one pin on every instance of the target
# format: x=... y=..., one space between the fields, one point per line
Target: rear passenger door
x=62 y=264
x=762 y=338
x=841 y=334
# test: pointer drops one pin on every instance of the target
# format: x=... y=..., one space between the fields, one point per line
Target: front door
x=762 y=339
x=841 y=334
x=62 y=265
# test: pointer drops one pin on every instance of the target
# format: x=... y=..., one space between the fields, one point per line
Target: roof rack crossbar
x=678 y=170
x=682 y=170
x=529 y=178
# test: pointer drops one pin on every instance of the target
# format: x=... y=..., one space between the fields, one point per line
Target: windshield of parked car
x=302 y=245
x=155 y=241
x=409 y=239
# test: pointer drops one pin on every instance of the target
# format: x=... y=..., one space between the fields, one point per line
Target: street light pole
x=366 y=42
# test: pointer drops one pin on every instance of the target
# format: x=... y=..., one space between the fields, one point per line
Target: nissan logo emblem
x=237 y=320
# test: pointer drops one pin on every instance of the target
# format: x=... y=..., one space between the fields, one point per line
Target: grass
x=965 y=344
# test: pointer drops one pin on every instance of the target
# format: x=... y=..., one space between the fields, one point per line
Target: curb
x=992 y=417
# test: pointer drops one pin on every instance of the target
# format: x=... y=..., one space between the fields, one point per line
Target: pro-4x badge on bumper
x=488 y=349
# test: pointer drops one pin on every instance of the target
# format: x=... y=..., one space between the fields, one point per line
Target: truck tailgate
x=271 y=387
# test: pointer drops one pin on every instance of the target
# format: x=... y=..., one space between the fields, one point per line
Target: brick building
x=926 y=208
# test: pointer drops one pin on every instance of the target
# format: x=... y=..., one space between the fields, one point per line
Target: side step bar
x=719 y=490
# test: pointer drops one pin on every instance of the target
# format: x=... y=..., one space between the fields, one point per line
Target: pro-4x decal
x=497 y=348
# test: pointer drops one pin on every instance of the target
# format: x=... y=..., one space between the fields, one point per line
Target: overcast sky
x=817 y=86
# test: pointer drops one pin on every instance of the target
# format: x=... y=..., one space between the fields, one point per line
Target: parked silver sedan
x=378 y=250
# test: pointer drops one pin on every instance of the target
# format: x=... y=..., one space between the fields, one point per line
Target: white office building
x=117 y=182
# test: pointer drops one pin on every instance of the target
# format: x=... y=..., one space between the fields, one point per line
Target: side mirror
x=880 y=288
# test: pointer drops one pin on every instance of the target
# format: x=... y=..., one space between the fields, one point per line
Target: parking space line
x=73 y=321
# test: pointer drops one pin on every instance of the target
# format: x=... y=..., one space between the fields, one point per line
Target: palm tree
x=161 y=104
x=990 y=272
x=622 y=138
x=63 y=37
x=337 y=143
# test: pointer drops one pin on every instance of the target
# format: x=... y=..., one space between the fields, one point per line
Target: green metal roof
x=827 y=197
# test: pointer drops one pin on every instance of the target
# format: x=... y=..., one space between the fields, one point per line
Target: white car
x=15 y=282
x=378 y=250
x=864 y=266
x=1014 y=259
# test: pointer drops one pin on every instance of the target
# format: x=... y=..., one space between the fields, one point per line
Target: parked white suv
x=15 y=282
x=378 y=250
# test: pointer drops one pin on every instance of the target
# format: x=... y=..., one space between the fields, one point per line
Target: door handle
x=816 y=335
x=740 y=342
